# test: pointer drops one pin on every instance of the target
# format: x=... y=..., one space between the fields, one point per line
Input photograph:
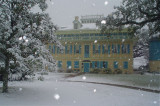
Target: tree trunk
x=5 y=76
x=5 y=82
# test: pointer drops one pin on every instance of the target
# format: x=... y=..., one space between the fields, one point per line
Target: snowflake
x=56 y=96
x=95 y=41
x=103 y=22
x=84 y=77
x=94 y=90
x=106 y=3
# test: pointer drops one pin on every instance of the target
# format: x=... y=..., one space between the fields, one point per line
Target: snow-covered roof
x=84 y=26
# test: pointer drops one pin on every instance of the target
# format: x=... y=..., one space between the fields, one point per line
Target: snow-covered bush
x=41 y=78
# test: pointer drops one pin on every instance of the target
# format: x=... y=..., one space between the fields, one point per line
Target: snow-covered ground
x=55 y=90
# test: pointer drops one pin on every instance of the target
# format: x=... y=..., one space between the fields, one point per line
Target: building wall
x=154 y=55
x=110 y=58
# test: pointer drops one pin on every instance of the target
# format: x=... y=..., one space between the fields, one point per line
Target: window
x=58 y=50
x=69 y=64
x=115 y=64
x=54 y=49
x=66 y=49
x=76 y=64
x=77 y=49
x=105 y=64
x=59 y=64
x=125 y=48
x=96 y=49
x=70 y=49
x=125 y=65
x=50 y=49
x=105 y=49
x=95 y=64
x=116 y=48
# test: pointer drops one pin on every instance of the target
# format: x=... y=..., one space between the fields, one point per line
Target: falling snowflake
x=103 y=22
x=56 y=96
x=74 y=101
x=123 y=40
x=93 y=4
x=84 y=77
x=94 y=90
x=106 y=3
x=70 y=67
x=20 y=38
x=52 y=3
x=24 y=37
x=155 y=102
x=26 y=40
x=95 y=41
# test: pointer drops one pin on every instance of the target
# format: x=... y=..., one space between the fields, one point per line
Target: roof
x=84 y=31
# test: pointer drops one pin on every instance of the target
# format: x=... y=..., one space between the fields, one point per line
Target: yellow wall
x=120 y=58
x=89 y=40
x=154 y=66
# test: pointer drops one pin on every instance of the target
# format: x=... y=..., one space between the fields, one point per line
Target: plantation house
x=87 y=50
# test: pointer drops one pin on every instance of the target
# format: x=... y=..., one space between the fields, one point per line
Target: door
x=86 y=67
x=86 y=51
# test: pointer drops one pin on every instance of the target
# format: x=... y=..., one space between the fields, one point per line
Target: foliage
x=108 y=71
x=24 y=34
x=117 y=71
x=96 y=70
x=137 y=15
x=69 y=71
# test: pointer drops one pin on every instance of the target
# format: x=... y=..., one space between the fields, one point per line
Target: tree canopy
x=23 y=36
x=136 y=14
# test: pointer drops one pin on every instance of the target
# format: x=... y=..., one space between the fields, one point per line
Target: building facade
x=154 y=55
x=87 y=50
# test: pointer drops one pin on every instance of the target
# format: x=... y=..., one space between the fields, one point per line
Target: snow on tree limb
x=137 y=14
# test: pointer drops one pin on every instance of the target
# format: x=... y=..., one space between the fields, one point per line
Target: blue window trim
x=69 y=63
x=94 y=49
x=76 y=64
x=70 y=49
x=79 y=49
x=115 y=64
x=50 y=48
x=108 y=49
x=118 y=49
x=106 y=64
x=113 y=48
x=128 y=47
x=99 y=49
x=74 y=49
x=93 y=64
x=125 y=65
x=102 y=49
x=60 y=64
x=54 y=49
x=66 y=49
x=101 y=64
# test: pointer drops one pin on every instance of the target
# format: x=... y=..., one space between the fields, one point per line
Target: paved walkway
x=110 y=84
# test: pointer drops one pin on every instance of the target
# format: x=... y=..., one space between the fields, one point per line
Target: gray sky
x=63 y=12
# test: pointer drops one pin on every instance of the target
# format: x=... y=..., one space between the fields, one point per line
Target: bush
x=117 y=71
x=95 y=71
x=69 y=71
x=60 y=70
x=108 y=71
x=41 y=78
x=44 y=73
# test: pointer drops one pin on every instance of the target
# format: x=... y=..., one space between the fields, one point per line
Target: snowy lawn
x=149 y=81
x=55 y=90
